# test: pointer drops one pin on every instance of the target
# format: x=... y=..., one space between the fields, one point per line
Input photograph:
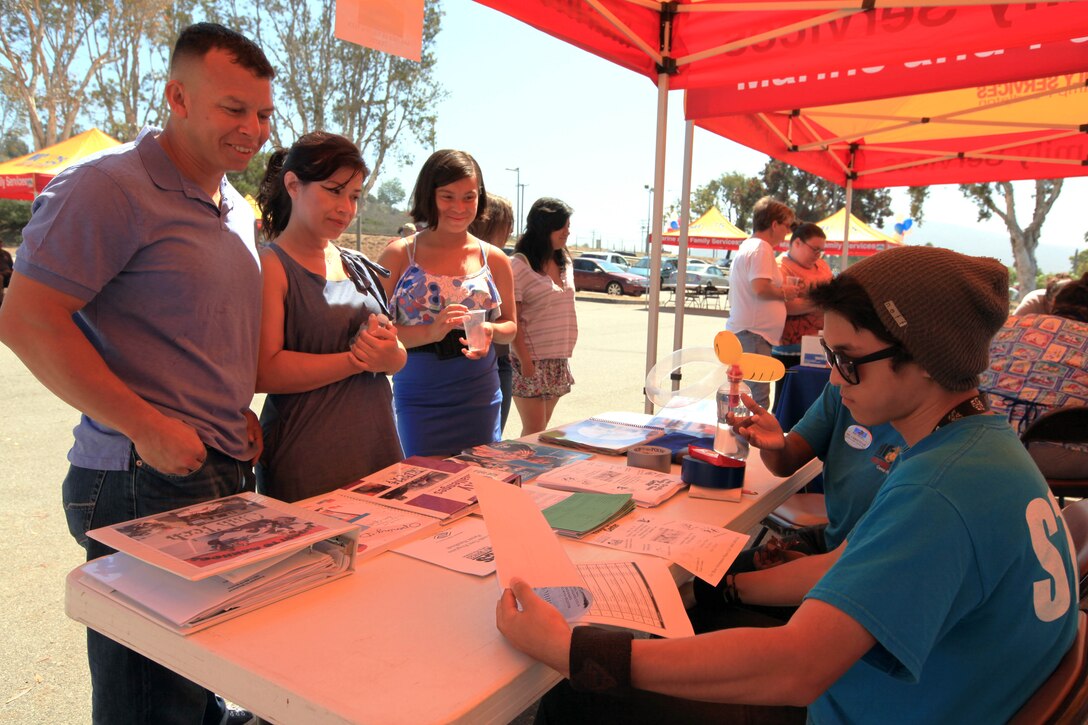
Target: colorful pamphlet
x=647 y=488
x=527 y=460
x=598 y=435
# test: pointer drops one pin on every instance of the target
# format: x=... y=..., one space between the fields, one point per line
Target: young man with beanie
x=136 y=298
x=951 y=600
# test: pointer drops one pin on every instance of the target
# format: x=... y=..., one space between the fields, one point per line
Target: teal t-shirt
x=856 y=460
x=961 y=570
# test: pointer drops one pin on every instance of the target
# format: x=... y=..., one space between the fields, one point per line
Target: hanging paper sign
x=390 y=26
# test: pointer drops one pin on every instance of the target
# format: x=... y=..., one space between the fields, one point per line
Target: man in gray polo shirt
x=136 y=299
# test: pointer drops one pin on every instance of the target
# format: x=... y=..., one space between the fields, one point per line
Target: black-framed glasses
x=847 y=366
x=818 y=251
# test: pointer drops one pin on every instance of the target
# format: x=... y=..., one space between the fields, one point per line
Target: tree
x=325 y=83
x=49 y=54
x=390 y=192
x=811 y=197
x=814 y=198
x=732 y=193
x=997 y=198
x=128 y=92
x=248 y=182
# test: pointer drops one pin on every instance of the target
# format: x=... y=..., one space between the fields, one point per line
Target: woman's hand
x=528 y=367
x=761 y=429
x=376 y=348
x=489 y=335
x=450 y=318
x=537 y=629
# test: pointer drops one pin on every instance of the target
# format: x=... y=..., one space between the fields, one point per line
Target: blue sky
x=583 y=130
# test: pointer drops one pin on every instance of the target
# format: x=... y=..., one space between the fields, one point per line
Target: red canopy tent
x=755 y=57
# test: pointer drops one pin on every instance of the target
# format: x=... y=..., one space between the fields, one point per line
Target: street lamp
x=649 y=213
x=517 y=200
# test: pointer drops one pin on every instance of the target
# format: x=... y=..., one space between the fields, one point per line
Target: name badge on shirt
x=858 y=436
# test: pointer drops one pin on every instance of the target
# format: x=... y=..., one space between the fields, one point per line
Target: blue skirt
x=446 y=406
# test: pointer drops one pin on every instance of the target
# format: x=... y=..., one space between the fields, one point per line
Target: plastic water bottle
x=726 y=440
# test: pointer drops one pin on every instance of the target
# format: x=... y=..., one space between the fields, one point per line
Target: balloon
x=899 y=228
x=703 y=375
x=674 y=224
x=907 y=223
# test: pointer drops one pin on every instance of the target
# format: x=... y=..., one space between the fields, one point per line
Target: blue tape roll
x=702 y=473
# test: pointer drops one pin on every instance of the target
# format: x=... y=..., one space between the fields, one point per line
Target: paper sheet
x=462 y=546
x=704 y=550
x=525 y=547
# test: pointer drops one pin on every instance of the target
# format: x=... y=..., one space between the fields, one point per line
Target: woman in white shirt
x=548 y=326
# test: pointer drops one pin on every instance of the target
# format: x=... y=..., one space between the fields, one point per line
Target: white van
x=613 y=257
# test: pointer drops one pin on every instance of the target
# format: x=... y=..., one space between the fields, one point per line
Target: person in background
x=757 y=294
x=548 y=331
x=804 y=260
x=136 y=298
x=447 y=397
x=942 y=605
x=7 y=266
x=1041 y=301
x=1037 y=363
x=326 y=341
x=494 y=227
x=406 y=230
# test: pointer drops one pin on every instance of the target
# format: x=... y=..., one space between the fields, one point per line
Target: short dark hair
x=546 y=215
x=498 y=216
x=767 y=211
x=1071 y=300
x=807 y=230
x=440 y=169
x=314 y=157
x=197 y=40
x=844 y=296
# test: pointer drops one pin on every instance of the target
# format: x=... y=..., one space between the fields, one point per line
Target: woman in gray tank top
x=327 y=345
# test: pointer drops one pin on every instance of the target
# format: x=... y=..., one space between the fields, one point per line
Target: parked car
x=614 y=257
x=642 y=266
x=595 y=275
x=700 y=274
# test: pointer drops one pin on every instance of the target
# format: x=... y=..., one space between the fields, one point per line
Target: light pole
x=517 y=200
x=649 y=212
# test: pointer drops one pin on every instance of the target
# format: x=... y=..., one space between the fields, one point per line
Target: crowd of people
x=141 y=264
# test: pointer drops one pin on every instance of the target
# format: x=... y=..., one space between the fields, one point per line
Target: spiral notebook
x=602 y=436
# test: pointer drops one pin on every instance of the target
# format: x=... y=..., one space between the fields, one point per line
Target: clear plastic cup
x=474 y=330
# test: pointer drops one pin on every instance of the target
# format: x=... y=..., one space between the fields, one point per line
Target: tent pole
x=846 y=223
x=682 y=261
x=655 y=247
x=851 y=174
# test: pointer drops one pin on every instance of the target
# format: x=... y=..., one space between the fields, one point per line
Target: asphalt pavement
x=44 y=676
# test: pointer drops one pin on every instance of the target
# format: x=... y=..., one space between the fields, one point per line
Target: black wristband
x=600 y=661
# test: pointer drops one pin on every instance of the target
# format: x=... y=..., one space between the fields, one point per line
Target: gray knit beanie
x=942 y=306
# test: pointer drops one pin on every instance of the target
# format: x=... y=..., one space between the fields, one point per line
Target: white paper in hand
x=526 y=548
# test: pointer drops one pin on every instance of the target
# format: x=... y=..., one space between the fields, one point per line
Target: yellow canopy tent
x=864 y=240
x=710 y=231
x=23 y=178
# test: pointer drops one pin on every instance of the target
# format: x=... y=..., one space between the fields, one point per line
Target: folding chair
x=1068 y=424
x=1076 y=520
x=1063 y=698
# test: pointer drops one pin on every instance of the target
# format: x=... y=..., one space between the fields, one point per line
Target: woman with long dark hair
x=447 y=397
x=548 y=329
x=327 y=344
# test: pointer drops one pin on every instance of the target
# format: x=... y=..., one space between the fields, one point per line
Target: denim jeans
x=752 y=342
x=126 y=686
